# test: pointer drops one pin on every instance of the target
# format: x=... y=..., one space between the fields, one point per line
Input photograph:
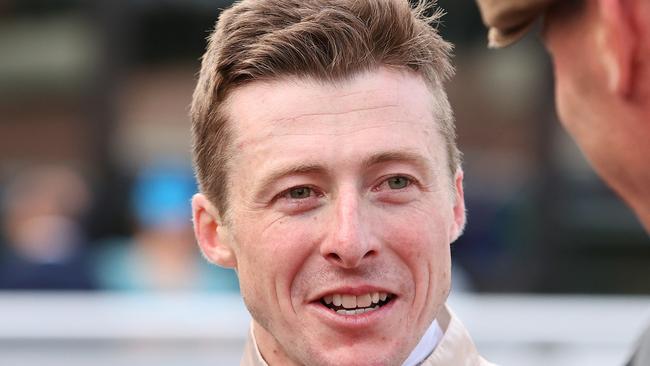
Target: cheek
x=574 y=103
x=425 y=224
x=579 y=76
x=419 y=238
x=271 y=253
x=421 y=243
x=562 y=102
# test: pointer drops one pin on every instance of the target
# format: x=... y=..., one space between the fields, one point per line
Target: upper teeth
x=352 y=301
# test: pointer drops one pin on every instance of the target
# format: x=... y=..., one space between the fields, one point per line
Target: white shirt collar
x=427 y=344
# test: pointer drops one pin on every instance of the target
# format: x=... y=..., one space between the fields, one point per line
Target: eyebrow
x=398 y=156
x=301 y=169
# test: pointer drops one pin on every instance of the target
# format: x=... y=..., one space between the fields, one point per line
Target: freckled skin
x=352 y=229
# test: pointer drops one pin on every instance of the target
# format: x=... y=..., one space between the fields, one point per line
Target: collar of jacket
x=454 y=349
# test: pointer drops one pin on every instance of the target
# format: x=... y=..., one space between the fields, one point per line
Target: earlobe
x=213 y=237
x=459 y=206
x=618 y=44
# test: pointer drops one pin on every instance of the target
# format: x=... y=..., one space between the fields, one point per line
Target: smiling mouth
x=352 y=305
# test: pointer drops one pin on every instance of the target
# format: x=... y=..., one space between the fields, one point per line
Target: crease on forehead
x=367 y=95
x=298 y=116
x=348 y=131
x=292 y=126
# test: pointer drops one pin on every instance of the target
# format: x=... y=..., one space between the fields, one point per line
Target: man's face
x=610 y=127
x=591 y=113
x=341 y=215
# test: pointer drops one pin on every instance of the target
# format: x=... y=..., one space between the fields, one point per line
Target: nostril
x=334 y=257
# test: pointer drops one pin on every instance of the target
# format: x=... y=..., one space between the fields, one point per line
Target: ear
x=213 y=237
x=618 y=44
x=459 y=206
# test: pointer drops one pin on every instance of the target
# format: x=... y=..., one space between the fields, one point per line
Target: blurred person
x=160 y=256
x=330 y=181
x=601 y=56
x=46 y=244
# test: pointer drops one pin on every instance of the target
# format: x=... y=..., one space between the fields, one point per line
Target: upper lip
x=351 y=290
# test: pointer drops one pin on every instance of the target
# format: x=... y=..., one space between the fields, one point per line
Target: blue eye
x=300 y=192
x=398 y=182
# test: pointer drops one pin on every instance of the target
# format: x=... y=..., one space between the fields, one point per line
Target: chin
x=361 y=359
x=356 y=355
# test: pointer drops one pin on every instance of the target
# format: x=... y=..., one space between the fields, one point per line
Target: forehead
x=379 y=109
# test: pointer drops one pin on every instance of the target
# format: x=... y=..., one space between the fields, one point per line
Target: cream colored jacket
x=455 y=348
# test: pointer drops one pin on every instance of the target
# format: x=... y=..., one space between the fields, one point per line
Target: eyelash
x=286 y=193
x=384 y=181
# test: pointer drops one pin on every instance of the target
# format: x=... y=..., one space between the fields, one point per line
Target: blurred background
x=97 y=257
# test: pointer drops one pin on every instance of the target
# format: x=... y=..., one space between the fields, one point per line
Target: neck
x=269 y=348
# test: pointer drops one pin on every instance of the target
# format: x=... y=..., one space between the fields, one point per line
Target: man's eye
x=398 y=182
x=300 y=192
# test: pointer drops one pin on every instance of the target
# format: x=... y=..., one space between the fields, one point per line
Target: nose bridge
x=347 y=244
x=348 y=219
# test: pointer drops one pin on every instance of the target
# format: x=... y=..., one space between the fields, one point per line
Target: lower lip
x=351 y=322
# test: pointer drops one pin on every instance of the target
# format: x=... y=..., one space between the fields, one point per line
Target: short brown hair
x=328 y=40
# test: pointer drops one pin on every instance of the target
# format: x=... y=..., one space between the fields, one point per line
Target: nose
x=350 y=241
